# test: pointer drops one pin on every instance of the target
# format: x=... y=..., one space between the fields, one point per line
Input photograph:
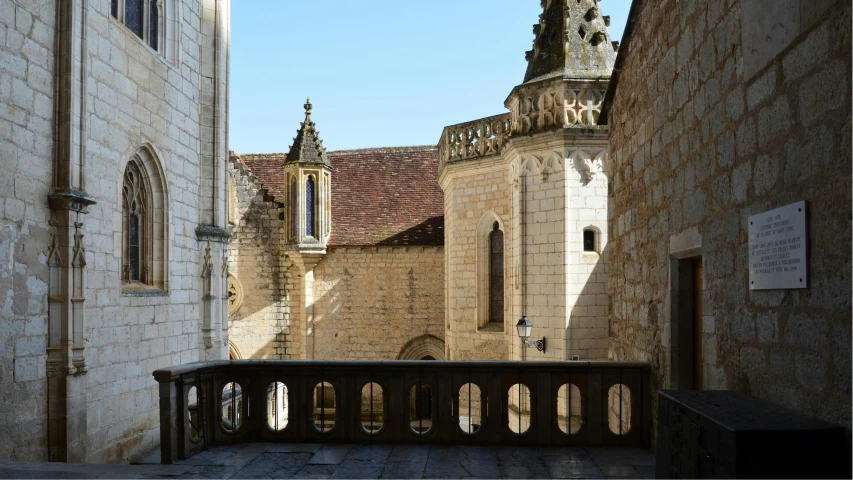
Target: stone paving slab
x=268 y=460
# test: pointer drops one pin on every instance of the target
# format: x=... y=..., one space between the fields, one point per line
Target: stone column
x=212 y=232
x=66 y=360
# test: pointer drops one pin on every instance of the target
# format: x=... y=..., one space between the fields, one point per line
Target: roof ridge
x=406 y=148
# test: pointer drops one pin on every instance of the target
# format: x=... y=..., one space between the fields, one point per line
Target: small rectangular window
x=588 y=240
x=114 y=8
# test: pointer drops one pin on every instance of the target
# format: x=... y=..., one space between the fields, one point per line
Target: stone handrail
x=435 y=402
x=479 y=138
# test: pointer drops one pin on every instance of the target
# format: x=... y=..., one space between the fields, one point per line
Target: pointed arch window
x=144 y=225
x=309 y=206
x=136 y=218
x=496 y=274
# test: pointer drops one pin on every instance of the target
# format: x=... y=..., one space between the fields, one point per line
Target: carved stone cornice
x=212 y=233
x=70 y=199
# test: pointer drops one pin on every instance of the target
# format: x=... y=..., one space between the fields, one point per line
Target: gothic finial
x=308 y=106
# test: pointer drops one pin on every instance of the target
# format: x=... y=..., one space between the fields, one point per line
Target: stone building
x=112 y=216
x=719 y=112
x=525 y=197
x=337 y=255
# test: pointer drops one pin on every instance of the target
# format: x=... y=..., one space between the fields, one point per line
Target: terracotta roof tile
x=380 y=196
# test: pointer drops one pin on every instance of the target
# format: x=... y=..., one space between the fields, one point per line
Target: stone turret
x=307 y=174
x=571 y=41
x=567 y=70
x=307 y=147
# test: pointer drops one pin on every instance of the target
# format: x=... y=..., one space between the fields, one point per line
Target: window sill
x=142 y=290
x=156 y=53
x=492 y=327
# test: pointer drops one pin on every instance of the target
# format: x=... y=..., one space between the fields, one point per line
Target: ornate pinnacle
x=308 y=107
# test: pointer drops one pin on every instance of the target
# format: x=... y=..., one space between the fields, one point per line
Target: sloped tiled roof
x=380 y=196
x=386 y=196
x=268 y=168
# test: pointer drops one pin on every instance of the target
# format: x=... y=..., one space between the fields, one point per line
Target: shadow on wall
x=429 y=232
x=587 y=329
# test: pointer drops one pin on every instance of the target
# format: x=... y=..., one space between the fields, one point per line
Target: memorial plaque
x=777 y=248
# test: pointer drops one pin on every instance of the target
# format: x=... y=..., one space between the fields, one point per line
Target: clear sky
x=379 y=72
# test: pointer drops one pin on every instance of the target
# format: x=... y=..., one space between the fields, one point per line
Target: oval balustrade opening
x=518 y=401
x=324 y=406
x=232 y=407
x=192 y=413
x=570 y=409
x=420 y=408
x=619 y=409
x=470 y=410
x=277 y=404
x=372 y=408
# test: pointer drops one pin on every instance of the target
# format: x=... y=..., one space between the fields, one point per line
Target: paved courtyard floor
x=267 y=460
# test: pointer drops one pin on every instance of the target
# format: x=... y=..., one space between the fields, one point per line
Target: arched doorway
x=425 y=347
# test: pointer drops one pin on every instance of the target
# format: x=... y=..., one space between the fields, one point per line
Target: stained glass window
x=134 y=12
x=294 y=196
x=153 y=24
x=309 y=207
x=496 y=275
x=135 y=211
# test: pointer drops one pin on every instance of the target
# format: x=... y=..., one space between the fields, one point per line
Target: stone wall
x=369 y=302
x=258 y=328
x=724 y=110
x=475 y=196
x=26 y=123
x=130 y=97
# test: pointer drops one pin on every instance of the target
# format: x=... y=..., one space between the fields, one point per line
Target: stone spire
x=307 y=146
x=571 y=41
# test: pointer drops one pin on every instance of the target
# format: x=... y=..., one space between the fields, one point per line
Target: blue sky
x=379 y=72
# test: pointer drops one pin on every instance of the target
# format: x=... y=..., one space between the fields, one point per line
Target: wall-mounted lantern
x=525 y=328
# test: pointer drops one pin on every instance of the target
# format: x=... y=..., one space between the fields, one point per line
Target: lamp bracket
x=539 y=344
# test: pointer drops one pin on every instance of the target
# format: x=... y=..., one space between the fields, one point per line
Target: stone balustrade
x=479 y=138
x=434 y=402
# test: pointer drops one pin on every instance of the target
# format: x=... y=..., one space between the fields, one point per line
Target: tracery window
x=309 y=207
x=142 y=17
x=144 y=202
x=136 y=225
x=496 y=274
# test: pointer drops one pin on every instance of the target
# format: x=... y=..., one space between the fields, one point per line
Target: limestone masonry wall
x=472 y=198
x=715 y=119
x=370 y=301
x=133 y=96
x=258 y=328
x=26 y=159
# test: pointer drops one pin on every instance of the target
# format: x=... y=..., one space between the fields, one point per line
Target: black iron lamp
x=525 y=328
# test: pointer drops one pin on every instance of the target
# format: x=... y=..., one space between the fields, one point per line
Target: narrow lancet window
x=294 y=197
x=135 y=212
x=309 y=207
x=496 y=274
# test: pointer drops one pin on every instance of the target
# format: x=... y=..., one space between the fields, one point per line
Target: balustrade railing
x=479 y=138
x=436 y=402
